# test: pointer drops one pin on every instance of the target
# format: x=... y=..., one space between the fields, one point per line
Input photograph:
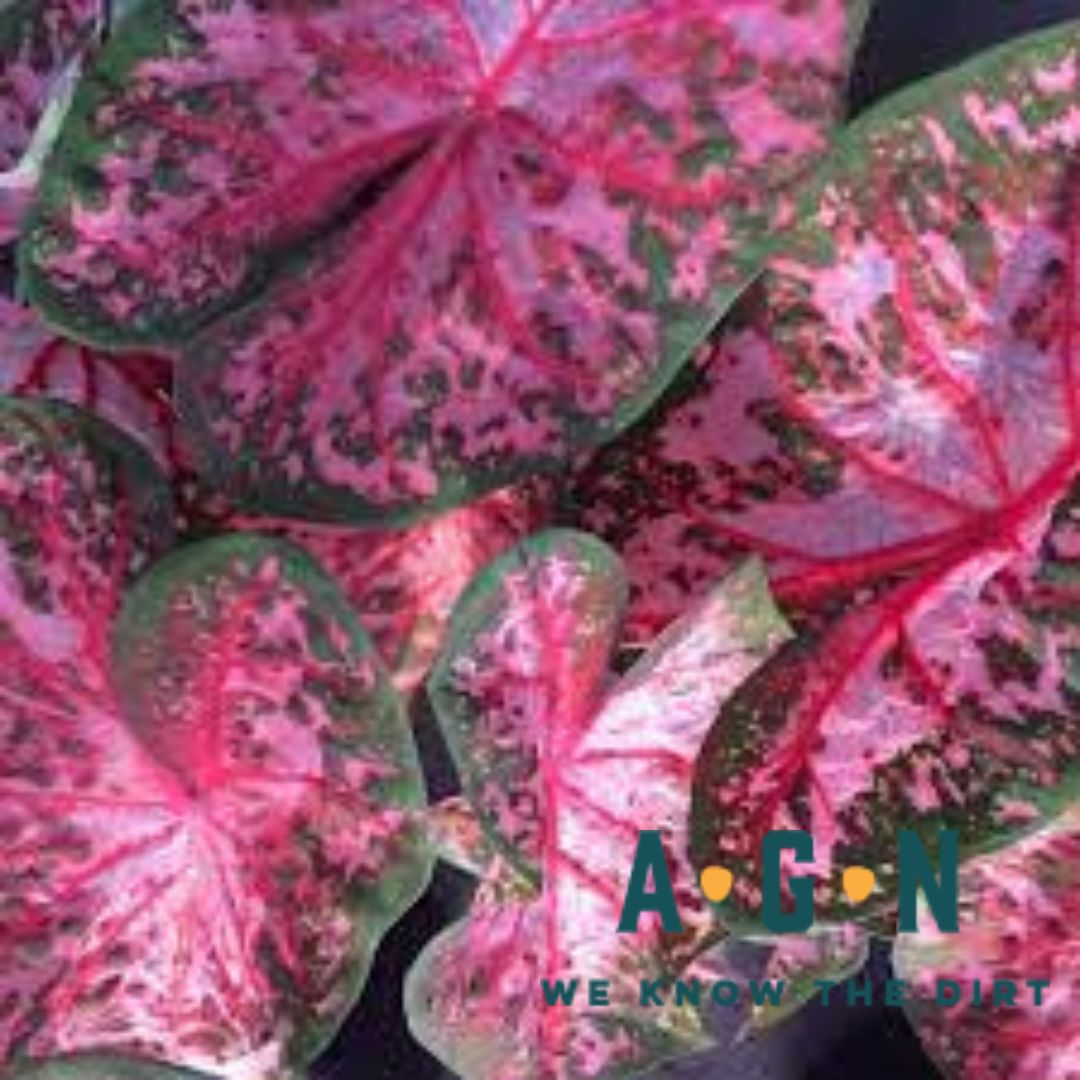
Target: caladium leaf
x=729 y=466
x=761 y=447
x=506 y=224
x=207 y=786
x=565 y=766
x=903 y=447
x=40 y=45
x=134 y=392
x=404 y=583
x=38 y=40
x=1018 y=913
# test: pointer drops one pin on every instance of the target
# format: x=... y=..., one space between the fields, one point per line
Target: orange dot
x=716 y=883
x=859 y=883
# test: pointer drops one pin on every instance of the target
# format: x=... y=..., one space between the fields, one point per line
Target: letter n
x=916 y=872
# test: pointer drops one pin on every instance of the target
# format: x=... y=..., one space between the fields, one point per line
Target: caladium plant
x=898 y=434
x=403 y=584
x=454 y=243
x=208 y=791
x=1018 y=922
x=564 y=766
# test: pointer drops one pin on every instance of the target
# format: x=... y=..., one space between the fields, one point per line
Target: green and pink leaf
x=208 y=792
x=800 y=962
x=506 y=227
x=134 y=392
x=404 y=583
x=1018 y=922
x=565 y=766
x=914 y=419
x=41 y=42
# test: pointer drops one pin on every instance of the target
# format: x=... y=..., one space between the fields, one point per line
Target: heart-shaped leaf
x=476 y=238
x=1018 y=922
x=565 y=767
x=206 y=784
x=901 y=441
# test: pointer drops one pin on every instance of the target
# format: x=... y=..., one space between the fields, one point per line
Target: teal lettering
x=650 y=857
x=917 y=873
x=802 y=888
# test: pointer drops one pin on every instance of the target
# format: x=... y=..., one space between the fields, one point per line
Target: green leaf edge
x=373 y=908
x=471 y=614
x=54 y=418
x=930 y=96
x=97 y=1066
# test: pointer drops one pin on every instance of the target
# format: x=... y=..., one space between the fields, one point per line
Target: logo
x=649 y=890
x=916 y=874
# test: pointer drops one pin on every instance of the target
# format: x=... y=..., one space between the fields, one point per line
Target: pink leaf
x=134 y=392
x=506 y=224
x=901 y=441
x=404 y=584
x=801 y=962
x=207 y=788
x=1018 y=922
x=40 y=42
x=565 y=766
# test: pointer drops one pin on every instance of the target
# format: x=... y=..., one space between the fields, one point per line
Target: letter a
x=650 y=856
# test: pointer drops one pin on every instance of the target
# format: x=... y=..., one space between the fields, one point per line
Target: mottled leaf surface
x=404 y=583
x=38 y=39
x=40 y=43
x=904 y=446
x=207 y=788
x=1018 y=921
x=458 y=838
x=475 y=237
x=565 y=765
x=134 y=392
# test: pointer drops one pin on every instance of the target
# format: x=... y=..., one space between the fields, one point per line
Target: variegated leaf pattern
x=1018 y=922
x=911 y=449
x=208 y=790
x=456 y=242
x=565 y=766
x=40 y=45
x=404 y=583
x=801 y=961
x=134 y=392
